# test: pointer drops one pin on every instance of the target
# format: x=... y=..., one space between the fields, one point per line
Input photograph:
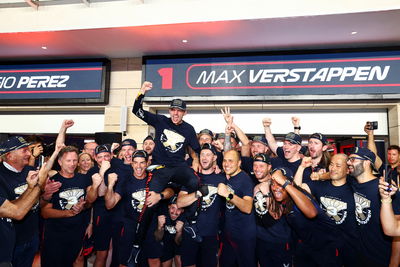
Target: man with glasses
x=375 y=247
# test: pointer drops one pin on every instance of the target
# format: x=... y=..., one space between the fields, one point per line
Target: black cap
x=13 y=143
x=285 y=171
x=149 y=137
x=320 y=137
x=102 y=148
x=140 y=154
x=178 y=103
x=129 y=142
x=210 y=147
x=262 y=157
x=293 y=138
x=261 y=139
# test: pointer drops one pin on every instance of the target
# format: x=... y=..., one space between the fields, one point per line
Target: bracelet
x=287 y=182
x=297 y=127
x=45 y=200
x=388 y=200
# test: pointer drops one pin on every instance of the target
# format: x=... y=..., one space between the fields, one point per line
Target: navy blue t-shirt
x=171 y=140
x=293 y=166
x=16 y=184
x=315 y=233
x=268 y=229
x=133 y=196
x=7 y=232
x=239 y=224
x=338 y=204
x=209 y=216
x=71 y=191
x=374 y=244
x=247 y=166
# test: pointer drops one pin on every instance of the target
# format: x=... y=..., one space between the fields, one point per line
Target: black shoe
x=193 y=232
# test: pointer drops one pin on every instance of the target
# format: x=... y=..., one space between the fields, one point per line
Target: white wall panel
x=43 y=123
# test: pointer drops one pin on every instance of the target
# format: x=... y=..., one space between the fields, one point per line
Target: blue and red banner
x=55 y=83
x=324 y=76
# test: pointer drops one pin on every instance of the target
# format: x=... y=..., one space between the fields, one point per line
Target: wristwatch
x=297 y=127
x=287 y=182
x=229 y=197
x=161 y=196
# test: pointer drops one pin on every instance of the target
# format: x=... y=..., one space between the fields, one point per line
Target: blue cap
x=206 y=131
x=320 y=137
x=293 y=138
x=262 y=157
x=178 y=103
x=365 y=153
x=13 y=143
x=261 y=139
x=102 y=148
x=129 y=142
x=210 y=147
x=285 y=171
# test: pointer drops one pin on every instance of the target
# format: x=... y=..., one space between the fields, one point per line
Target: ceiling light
x=44 y=47
x=352 y=33
x=184 y=41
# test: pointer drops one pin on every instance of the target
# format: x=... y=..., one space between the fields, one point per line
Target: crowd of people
x=198 y=199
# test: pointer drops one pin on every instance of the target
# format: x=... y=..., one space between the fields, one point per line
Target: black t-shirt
x=7 y=231
x=209 y=216
x=315 y=233
x=269 y=229
x=374 y=244
x=293 y=166
x=71 y=191
x=16 y=184
x=239 y=224
x=133 y=196
x=247 y=166
x=391 y=172
x=171 y=140
x=338 y=204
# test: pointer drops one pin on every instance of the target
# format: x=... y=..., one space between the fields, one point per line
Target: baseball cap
x=262 y=157
x=129 y=142
x=320 y=137
x=366 y=154
x=210 y=147
x=149 y=137
x=178 y=103
x=206 y=131
x=140 y=154
x=293 y=138
x=13 y=143
x=102 y=148
x=286 y=172
x=261 y=139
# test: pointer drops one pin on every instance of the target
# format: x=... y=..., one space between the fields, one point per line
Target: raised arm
x=268 y=135
x=111 y=198
x=371 y=144
x=390 y=223
x=296 y=125
x=63 y=130
x=244 y=140
x=298 y=177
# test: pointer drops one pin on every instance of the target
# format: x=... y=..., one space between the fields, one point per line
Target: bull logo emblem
x=138 y=199
x=228 y=204
x=363 y=213
x=334 y=209
x=260 y=203
x=70 y=197
x=209 y=199
x=20 y=190
x=170 y=229
x=172 y=141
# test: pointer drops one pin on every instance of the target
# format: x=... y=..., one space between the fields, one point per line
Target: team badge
x=335 y=209
x=260 y=204
x=363 y=213
x=70 y=197
x=20 y=190
x=172 y=141
x=209 y=199
x=170 y=229
x=228 y=204
x=138 y=199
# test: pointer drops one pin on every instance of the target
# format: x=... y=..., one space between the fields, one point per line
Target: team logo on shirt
x=363 y=213
x=20 y=190
x=8 y=220
x=228 y=204
x=335 y=209
x=172 y=141
x=170 y=229
x=140 y=113
x=70 y=197
x=260 y=203
x=138 y=199
x=209 y=199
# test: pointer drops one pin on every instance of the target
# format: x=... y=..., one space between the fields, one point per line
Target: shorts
x=199 y=254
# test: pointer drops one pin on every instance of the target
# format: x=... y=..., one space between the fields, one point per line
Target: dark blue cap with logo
x=293 y=138
x=262 y=157
x=140 y=154
x=129 y=142
x=13 y=143
x=261 y=139
x=209 y=147
x=206 y=131
x=178 y=103
x=366 y=154
x=320 y=137
x=102 y=148
x=285 y=171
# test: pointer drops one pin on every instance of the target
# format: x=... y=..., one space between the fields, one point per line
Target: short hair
x=34 y=139
x=67 y=149
x=394 y=147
